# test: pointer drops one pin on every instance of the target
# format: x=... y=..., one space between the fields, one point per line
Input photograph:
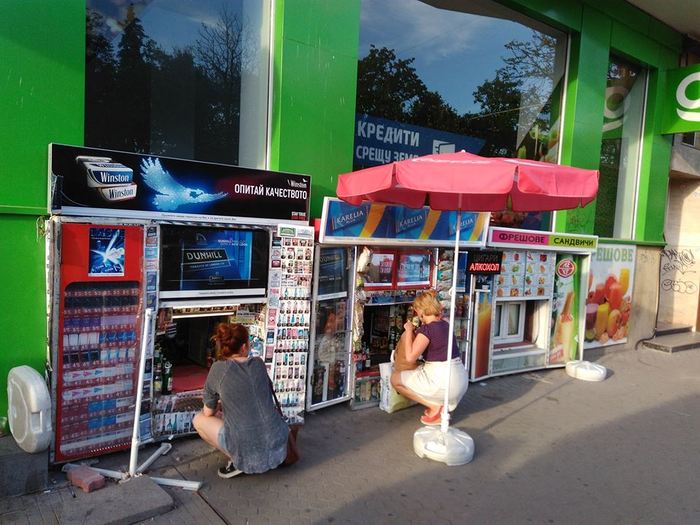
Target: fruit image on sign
x=609 y=296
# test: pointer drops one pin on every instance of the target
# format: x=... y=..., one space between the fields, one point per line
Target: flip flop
x=432 y=420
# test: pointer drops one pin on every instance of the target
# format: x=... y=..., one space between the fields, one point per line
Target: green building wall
x=42 y=52
x=42 y=58
x=315 y=77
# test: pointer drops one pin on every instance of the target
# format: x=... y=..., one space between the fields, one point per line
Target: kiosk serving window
x=509 y=322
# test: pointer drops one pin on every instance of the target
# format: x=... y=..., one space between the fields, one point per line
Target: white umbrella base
x=586 y=371
x=453 y=447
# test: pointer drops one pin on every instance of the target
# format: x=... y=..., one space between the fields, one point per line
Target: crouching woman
x=240 y=417
x=426 y=384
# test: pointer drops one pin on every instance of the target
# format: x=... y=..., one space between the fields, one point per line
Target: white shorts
x=429 y=379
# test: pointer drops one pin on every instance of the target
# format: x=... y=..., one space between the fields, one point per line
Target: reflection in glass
x=168 y=77
x=622 y=133
x=330 y=367
x=484 y=79
x=513 y=319
x=497 y=321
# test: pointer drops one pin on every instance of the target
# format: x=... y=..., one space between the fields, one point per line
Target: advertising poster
x=414 y=269
x=380 y=141
x=609 y=299
x=509 y=283
x=564 y=340
x=107 y=183
x=386 y=224
x=106 y=252
x=380 y=272
x=223 y=255
x=482 y=332
x=332 y=271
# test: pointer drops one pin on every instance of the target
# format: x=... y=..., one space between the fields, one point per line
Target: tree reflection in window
x=177 y=96
x=514 y=110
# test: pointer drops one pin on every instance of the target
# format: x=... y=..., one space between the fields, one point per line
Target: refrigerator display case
x=463 y=308
x=330 y=356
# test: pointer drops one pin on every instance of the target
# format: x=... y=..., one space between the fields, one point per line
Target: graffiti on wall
x=674 y=260
x=679 y=279
x=678 y=271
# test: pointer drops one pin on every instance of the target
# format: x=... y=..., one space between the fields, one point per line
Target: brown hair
x=230 y=339
x=428 y=303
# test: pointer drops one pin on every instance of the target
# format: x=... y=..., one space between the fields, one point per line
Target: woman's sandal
x=432 y=420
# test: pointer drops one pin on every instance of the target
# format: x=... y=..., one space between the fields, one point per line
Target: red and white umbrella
x=467 y=182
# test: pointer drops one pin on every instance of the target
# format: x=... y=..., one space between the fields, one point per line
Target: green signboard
x=682 y=101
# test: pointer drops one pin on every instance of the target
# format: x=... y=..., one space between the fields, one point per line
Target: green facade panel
x=655 y=162
x=562 y=14
x=23 y=315
x=627 y=42
x=583 y=117
x=42 y=57
x=315 y=75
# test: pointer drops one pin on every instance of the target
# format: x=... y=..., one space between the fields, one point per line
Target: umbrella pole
x=445 y=420
x=449 y=445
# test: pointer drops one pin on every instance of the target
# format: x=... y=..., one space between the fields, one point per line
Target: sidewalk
x=549 y=449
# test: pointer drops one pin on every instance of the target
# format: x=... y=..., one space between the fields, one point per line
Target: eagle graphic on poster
x=170 y=194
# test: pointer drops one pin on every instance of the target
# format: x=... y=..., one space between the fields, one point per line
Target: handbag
x=292 y=449
x=398 y=356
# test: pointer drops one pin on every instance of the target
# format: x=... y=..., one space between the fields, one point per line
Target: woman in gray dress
x=248 y=428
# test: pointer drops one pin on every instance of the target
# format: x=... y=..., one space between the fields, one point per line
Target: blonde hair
x=428 y=303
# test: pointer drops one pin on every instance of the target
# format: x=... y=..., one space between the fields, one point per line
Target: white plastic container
x=29 y=409
x=586 y=371
x=453 y=447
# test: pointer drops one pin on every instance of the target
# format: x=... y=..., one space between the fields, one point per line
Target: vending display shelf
x=520 y=363
x=517 y=351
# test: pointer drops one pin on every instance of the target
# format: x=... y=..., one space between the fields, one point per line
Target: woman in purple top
x=426 y=384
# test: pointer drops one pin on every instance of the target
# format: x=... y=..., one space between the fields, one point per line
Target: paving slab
x=550 y=449
x=116 y=504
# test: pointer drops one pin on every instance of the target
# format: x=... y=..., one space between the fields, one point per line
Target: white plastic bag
x=390 y=400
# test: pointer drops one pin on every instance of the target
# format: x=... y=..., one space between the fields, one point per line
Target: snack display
x=525 y=274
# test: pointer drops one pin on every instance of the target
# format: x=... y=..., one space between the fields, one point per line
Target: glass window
x=509 y=322
x=619 y=157
x=688 y=139
x=437 y=76
x=178 y=78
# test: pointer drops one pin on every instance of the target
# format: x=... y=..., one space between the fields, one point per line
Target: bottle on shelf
x=157 y=368
x=167 y=386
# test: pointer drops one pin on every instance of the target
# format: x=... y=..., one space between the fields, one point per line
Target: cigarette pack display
x=98 y=338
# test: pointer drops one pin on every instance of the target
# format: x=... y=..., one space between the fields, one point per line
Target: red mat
x=189 y=377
